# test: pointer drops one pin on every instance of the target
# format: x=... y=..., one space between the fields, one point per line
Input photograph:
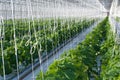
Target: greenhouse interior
x=59 y=39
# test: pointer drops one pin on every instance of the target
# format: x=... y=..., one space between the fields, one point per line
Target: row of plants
x=110 y=58
x=111 y=64
x=35 y=38
x=78 y=63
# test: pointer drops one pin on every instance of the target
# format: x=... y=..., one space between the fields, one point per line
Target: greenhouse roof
x=58 y=7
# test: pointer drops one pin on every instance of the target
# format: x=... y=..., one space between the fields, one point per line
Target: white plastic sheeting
x=51 y=8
